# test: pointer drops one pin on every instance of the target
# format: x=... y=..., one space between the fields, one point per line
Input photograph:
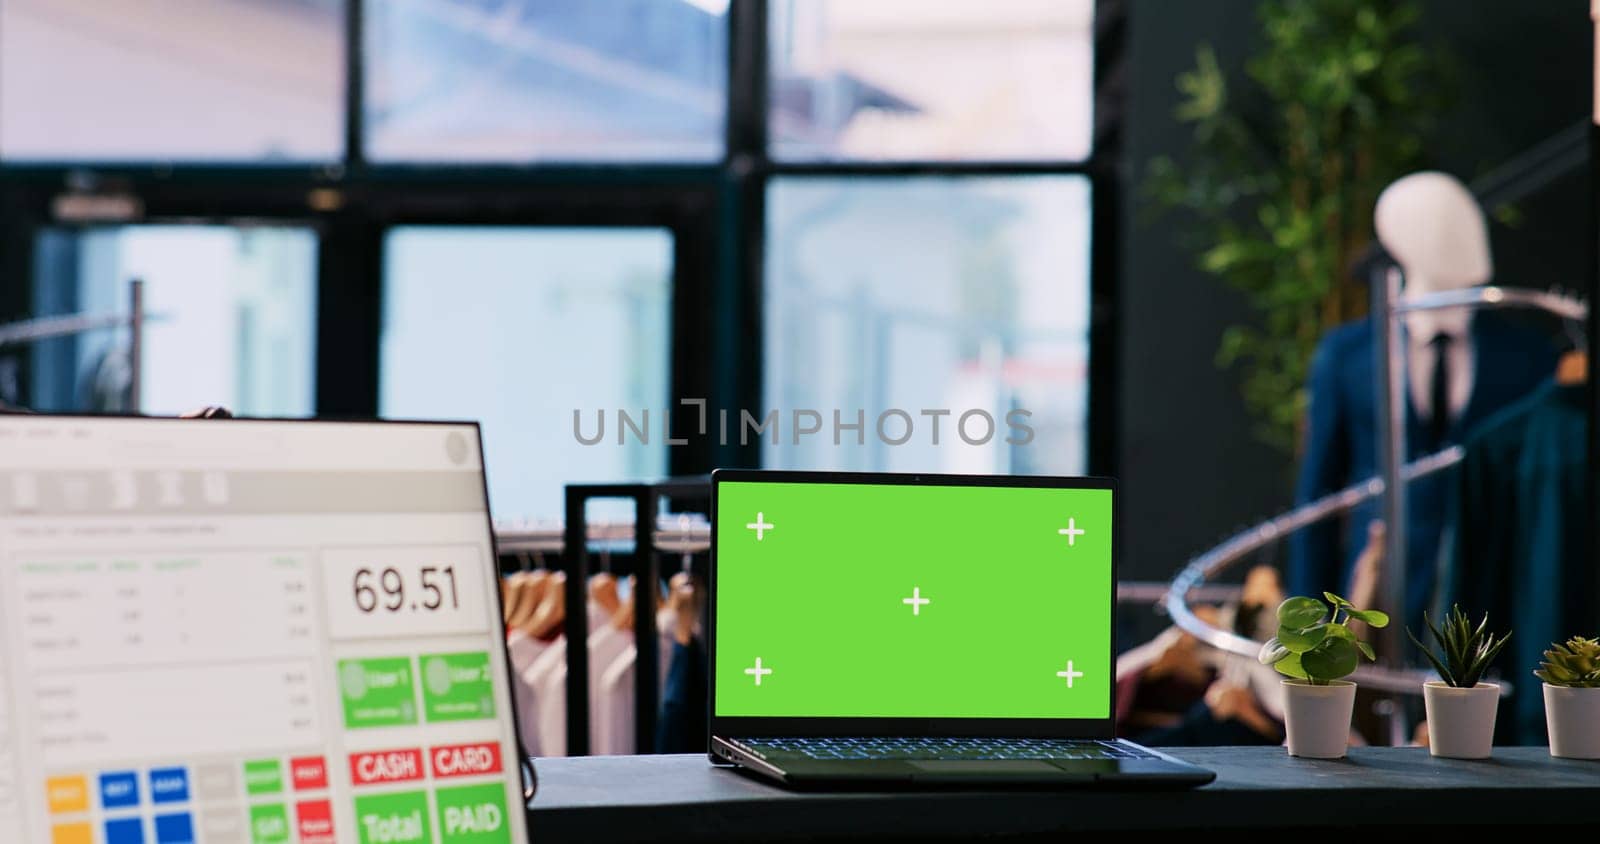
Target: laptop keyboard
x=944 y=748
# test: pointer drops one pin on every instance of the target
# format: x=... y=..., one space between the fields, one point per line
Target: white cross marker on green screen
x=1071 y=532
x=916 y=601
x=760 y=526
x=1069 y=674
x=758 y=671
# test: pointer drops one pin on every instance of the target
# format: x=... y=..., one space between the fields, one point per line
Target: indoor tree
x=1284 y=173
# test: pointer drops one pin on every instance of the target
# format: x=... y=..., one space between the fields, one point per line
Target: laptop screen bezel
x=783 y=727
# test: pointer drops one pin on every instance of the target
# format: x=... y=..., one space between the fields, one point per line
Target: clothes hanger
x=1573 y=369
x=684 y=601
x=536 y=589
x=603 y=591
x=511 y=594
x=546 y=621
x=535 y=592
x=603 y=586
x=622 y=617
x=511 y=587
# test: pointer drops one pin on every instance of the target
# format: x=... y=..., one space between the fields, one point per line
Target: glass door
x=231 y=318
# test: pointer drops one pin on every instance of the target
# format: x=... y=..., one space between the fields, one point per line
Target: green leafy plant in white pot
x=1316 y=649
x=1571 y=675
x=1461 y=708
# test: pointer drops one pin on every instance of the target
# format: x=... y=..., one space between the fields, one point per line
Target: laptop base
x=1135 y=767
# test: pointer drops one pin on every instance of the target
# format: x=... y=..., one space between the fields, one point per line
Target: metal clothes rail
x=1393 y=678
x=68 y=325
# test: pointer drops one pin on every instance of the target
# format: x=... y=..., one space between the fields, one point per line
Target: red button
x=385 y=766
x=465 y=760
x=316 y=822
x=308 y=773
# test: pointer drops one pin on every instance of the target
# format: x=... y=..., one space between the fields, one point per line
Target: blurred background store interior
x=512 y=210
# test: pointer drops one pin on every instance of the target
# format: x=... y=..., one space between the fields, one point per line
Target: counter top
x=683 y=798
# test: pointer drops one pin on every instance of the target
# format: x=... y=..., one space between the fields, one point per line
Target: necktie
x=1439 y=405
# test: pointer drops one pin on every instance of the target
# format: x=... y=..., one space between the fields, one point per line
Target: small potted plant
x=1571 y=675
x=1460 y=707
x=1316 y=649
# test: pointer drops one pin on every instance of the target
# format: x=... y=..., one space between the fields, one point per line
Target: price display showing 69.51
x=385 y=589
x=403 y=591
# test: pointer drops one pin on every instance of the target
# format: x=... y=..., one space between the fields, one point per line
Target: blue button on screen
x=119 y=790
x=169 y=785
x=174 y=829
x=125 y=831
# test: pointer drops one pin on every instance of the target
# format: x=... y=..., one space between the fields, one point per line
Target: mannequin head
x=1434 y=228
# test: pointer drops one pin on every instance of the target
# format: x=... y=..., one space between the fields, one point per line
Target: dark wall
x=1191 y=470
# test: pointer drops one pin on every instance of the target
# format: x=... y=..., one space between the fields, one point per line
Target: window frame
x=716 y=213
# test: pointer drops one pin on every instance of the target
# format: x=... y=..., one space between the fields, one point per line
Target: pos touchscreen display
x=250 y=631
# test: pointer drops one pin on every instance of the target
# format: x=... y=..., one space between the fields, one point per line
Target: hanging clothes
x=1519 y=548
x=613 y=715
x=1342 y=436
x=606 y=646
x=542 y=692
x=524 y=651
x=682 y=722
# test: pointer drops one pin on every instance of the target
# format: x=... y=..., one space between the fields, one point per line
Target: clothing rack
x=648 y=501
x=1388 y=308
x=68 y=325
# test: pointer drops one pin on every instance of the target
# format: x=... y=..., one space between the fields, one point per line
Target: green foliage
x=1282 y=180
x=1314 y=644
x=1465 y=650
x=1575 y=664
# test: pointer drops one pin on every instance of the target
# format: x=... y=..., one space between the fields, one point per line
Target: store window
x=520 y=327
x=256 y=81
x=536 y=80
x=231 y=318
x=931 y=79
x=959 y=294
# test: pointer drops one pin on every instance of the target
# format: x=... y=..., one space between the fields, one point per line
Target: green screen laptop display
x=901 y=601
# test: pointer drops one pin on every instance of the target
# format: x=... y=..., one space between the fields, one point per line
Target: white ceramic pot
x=1317 y=718
x=1460 y=721
x=1573 y=718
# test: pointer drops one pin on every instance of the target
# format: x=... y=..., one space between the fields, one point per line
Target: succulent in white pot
x=1571 y=675
x=1461 y=708
x=1315 y=649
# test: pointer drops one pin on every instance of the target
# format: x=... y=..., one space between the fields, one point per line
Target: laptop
x=877 y=630
x=244 y=630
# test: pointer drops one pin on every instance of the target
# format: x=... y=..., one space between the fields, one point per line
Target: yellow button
x=67 y=794
x=72 y=833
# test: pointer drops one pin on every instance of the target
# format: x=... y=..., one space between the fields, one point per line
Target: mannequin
x=1461 y=368
x=1433 y=228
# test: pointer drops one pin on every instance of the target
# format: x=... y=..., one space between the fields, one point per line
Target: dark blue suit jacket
x=1342 y=449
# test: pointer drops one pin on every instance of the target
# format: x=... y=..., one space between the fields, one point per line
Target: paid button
x=474 y=814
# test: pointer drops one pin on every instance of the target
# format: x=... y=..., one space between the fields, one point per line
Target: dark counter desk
x=681 y=798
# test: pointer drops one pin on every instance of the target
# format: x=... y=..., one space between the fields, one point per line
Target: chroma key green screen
x=909 y=601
